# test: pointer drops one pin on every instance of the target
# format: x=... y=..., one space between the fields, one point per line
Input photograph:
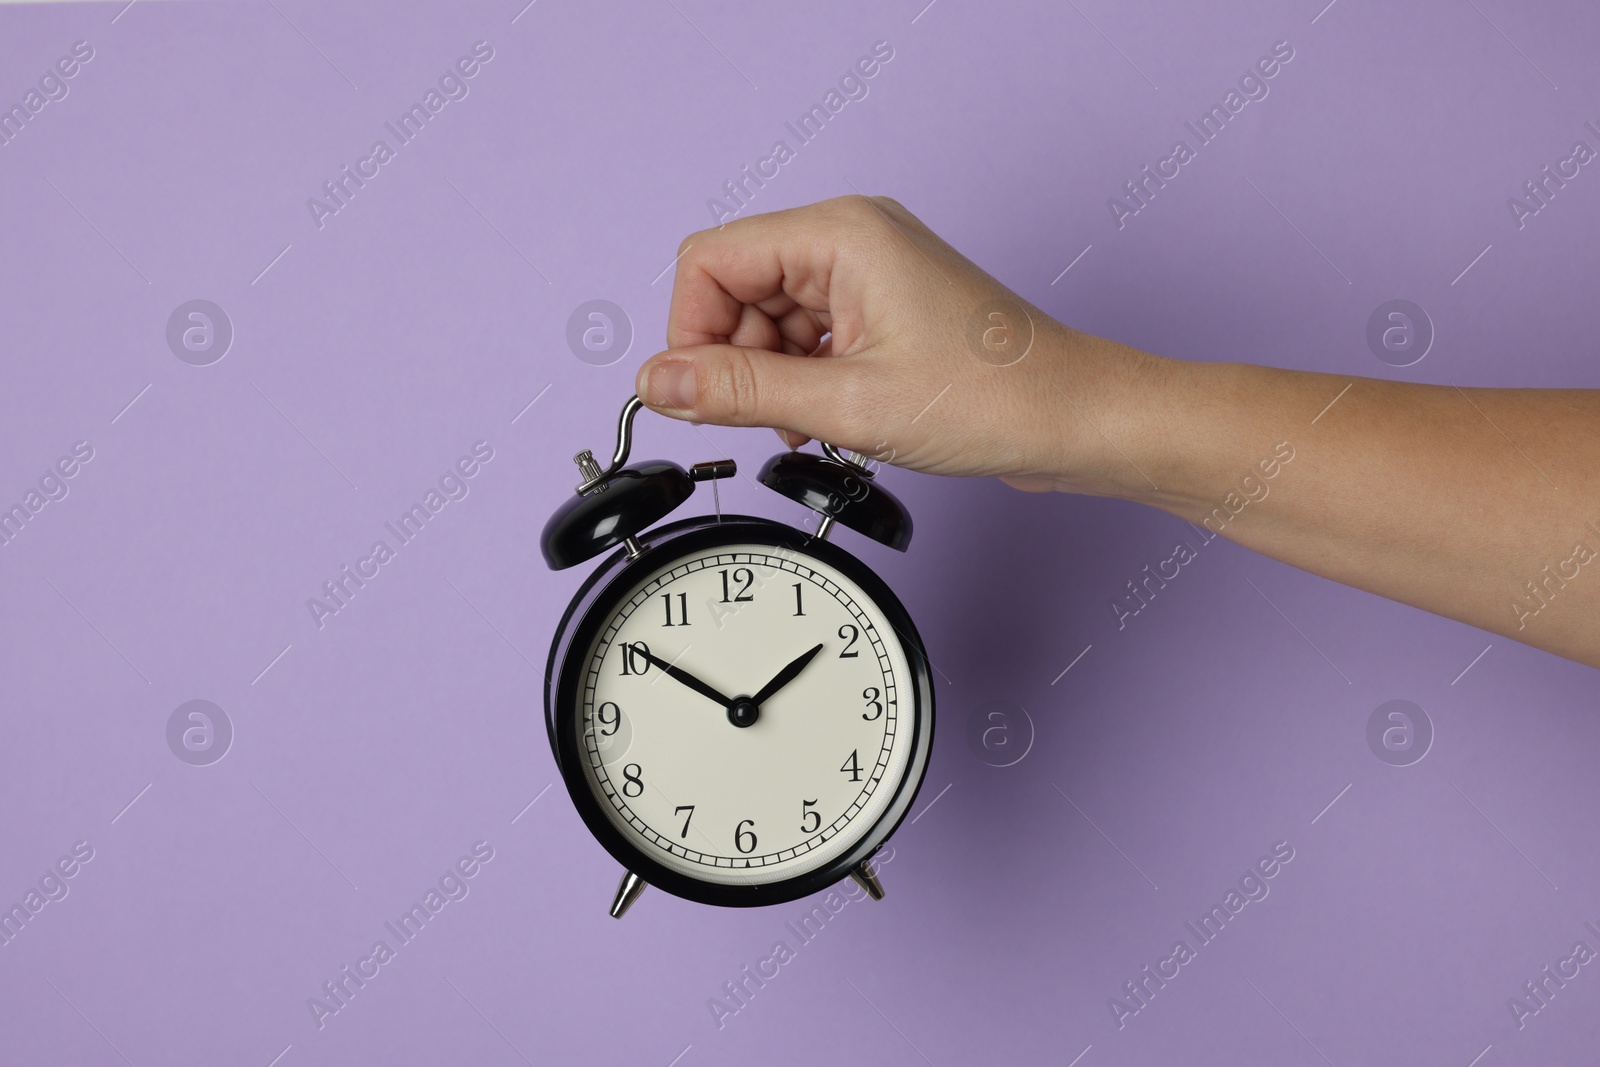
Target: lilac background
x=373 y=752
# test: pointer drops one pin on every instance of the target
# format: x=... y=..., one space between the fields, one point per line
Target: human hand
x=851 y=322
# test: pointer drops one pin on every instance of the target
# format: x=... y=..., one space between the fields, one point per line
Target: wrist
x=1191 y=437
x=1118 y=414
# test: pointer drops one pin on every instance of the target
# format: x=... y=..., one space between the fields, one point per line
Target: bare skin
x=851 y=322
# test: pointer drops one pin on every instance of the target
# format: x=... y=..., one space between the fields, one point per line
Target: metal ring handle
x=624 y=446
x=630 y=409
x=838 y=457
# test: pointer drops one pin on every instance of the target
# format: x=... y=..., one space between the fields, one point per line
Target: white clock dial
x=794 y=789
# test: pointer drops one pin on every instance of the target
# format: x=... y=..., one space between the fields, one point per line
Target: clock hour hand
x=785 y=676
x=681 y=675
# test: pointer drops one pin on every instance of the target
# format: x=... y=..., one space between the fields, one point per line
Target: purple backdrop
x=227 y=466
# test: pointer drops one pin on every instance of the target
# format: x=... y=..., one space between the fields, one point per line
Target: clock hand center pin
x=744 y=711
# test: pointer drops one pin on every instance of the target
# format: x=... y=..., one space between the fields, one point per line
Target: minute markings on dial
x=874 y=649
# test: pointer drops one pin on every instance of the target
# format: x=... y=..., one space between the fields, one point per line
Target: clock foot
x=628 y=892
x=867 y=879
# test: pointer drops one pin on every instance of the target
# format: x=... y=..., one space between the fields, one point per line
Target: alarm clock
x=741 y=710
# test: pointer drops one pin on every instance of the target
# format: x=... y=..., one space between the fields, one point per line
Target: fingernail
x=672 y=385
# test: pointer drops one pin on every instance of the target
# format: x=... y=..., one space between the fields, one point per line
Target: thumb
x=733 y=386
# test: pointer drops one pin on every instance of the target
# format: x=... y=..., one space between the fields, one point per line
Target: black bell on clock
x=741 y=711
x=612 y=506
x=840 y=489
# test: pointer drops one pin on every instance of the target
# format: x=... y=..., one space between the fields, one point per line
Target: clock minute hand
x=785 y=676
x=688 y=679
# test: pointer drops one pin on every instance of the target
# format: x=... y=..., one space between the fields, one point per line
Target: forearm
x=853 y=323
x=1479 y=504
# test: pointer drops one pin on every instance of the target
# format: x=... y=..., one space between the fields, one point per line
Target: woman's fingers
x=778 y=262
x=735 y=386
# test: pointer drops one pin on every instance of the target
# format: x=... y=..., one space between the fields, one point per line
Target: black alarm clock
x=741 y=710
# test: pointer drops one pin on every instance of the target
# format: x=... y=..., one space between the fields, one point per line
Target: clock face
x=821 y=733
